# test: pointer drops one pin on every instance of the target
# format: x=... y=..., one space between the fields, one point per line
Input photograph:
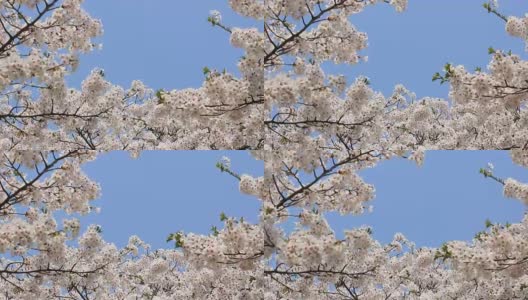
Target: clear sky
x=164 y=43
x=444 y=199
x=167 y=43
x=409 y=47
x=167 y=191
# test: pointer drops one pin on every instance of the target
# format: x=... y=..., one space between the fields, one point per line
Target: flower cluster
x=518 y=27
x=314 y=132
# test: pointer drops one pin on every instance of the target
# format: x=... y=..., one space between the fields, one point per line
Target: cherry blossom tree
x=40 y=42
x=313 y=132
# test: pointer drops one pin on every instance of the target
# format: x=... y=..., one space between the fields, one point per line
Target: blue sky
x=409 y=47
x=444 y=199
x=167 y=43
x=167 y=191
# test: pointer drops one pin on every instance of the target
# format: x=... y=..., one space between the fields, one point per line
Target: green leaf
x=491 y=50
x=485 y=172
x=177 y=238
x=214 y=230
x=478 y=235
x=220 y=166
x=211 y=20
x=159 y=95
x=487 y=6
x=223 y=217
x=170 y=237
x=443 y=252
x=488 y=223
